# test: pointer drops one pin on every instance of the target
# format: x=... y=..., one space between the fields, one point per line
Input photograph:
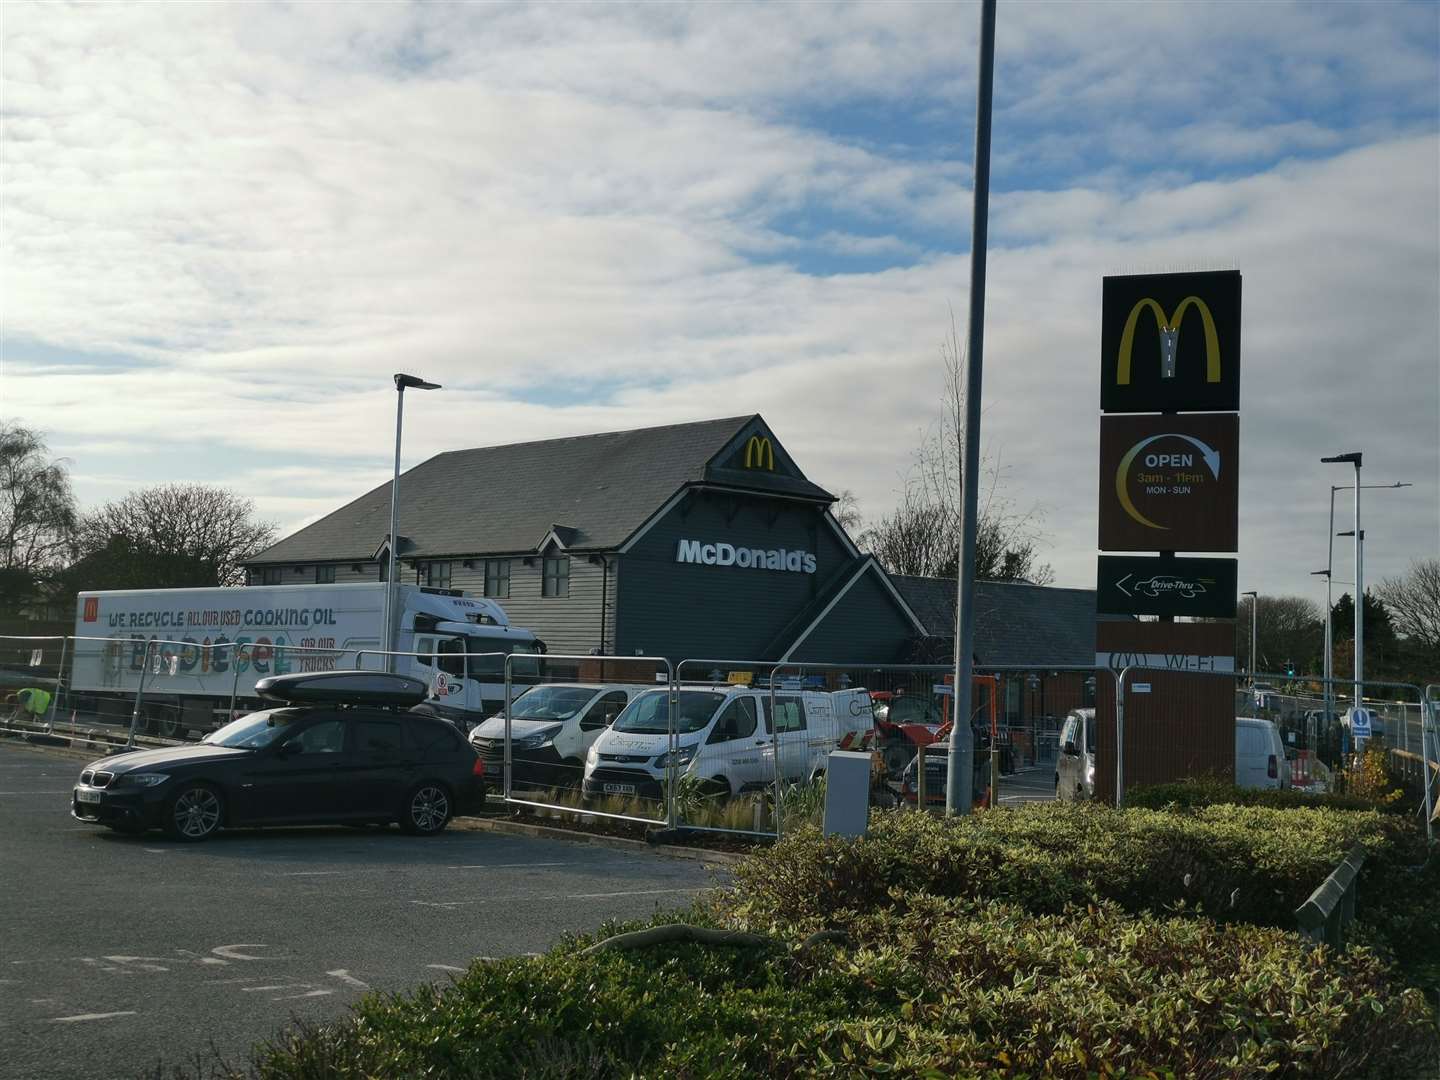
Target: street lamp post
x=1254 y=625
x=402 y=382
x=1328 y=694
x=1358 y=691
x=1328 y=572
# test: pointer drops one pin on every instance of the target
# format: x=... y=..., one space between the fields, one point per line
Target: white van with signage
x=551 y=730
x=727 y=737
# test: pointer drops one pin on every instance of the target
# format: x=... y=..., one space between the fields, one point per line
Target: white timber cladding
x=567 y=624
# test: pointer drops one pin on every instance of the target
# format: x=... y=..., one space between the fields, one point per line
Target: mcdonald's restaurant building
x=702 y=540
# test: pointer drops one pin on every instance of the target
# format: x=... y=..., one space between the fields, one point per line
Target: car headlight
x=536 y=741
x=150 y=779
x=679 y=758
x=592 y=756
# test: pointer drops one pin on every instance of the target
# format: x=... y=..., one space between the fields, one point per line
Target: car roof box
x=344 y=688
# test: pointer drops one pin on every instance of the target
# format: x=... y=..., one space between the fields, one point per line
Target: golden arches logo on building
x=759 y=453
x=1169 y=333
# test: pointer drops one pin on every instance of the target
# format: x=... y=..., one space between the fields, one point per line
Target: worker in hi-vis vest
x=34 y=701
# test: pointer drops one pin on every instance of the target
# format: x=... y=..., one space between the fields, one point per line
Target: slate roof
x=505 y=499
x=1015 y=622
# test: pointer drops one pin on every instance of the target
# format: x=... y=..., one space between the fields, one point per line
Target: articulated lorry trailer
x=189 y=652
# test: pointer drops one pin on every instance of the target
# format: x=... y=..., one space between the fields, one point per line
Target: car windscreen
x=256 y=730
x=550 y=702
x=649 y=714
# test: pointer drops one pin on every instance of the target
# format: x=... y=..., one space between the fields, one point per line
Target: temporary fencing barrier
x=555 y=761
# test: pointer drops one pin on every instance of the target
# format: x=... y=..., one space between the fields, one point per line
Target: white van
x=551 y=730
x=1075 y=768
x=1259 y=754
x=726 y=736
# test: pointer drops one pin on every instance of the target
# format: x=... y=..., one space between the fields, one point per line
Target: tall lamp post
x=1254 y=625
x=1328 y=573
x=402 y=383
x=1355 y=458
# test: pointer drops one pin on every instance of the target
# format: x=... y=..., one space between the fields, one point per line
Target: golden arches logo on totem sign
x=1169 y=332
x=759 y=453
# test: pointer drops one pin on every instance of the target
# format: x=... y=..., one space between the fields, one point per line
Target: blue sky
x=224 y=226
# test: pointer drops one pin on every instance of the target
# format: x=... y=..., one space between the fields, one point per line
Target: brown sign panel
x=1179 y=702
x=1169 y=483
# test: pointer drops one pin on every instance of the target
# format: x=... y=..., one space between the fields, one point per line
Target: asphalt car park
x=123 y=950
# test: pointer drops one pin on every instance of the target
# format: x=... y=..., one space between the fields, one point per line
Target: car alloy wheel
x=194 y=813
x=428 y=809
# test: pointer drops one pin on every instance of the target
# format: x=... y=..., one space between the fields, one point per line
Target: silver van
x=1075 y=768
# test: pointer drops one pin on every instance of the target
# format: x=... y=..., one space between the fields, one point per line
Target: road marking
x=89 y=1016
x=229 y=953
x=451 y=967
x=275 y=986
x=504 y=865
x=312 y=873
x=632 y=892
x=344 y=976
x=450 y=905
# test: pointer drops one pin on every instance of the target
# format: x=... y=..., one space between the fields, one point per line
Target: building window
x=271 y=575
x=497 y=578
x=324 y=575
x=556 y=581
x=437 y=575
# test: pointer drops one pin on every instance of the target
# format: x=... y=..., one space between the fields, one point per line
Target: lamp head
x=1352 y=458
x=413 y=382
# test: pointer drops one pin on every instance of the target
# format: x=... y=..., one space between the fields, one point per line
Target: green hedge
x=944 y=988
x=1057 y=940
x=1196 y=792
x=1236 y=864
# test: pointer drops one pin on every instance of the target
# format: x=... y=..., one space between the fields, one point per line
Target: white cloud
x=276 y=207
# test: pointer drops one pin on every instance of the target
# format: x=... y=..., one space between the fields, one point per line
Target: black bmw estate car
x=342 y=747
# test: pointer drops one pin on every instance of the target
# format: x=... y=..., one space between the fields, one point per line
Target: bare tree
x=922 y=535
x=847 y=511
x=168 y=537
x=37 y=514
x=1289 y=628
x=1414 y=603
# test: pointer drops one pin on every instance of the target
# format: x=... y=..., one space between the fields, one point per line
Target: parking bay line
x=89 y=1016
x=405 y=869
x=555 y=896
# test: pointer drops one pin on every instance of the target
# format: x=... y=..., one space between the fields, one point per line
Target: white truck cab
x=726 y=736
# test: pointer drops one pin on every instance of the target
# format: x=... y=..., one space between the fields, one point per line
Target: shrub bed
x=1244 y=864
x=1064 y=941
x=944 y=988
x=1195 y=792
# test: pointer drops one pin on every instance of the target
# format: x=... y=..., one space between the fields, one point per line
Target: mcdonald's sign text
x=1170 y=343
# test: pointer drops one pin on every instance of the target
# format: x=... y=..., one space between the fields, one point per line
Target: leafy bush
x=1058 y=941
x=1247 y=864
x=946 y=987
x=1195 y=792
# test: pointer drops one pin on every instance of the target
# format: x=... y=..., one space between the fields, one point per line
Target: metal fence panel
x=554 y=747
